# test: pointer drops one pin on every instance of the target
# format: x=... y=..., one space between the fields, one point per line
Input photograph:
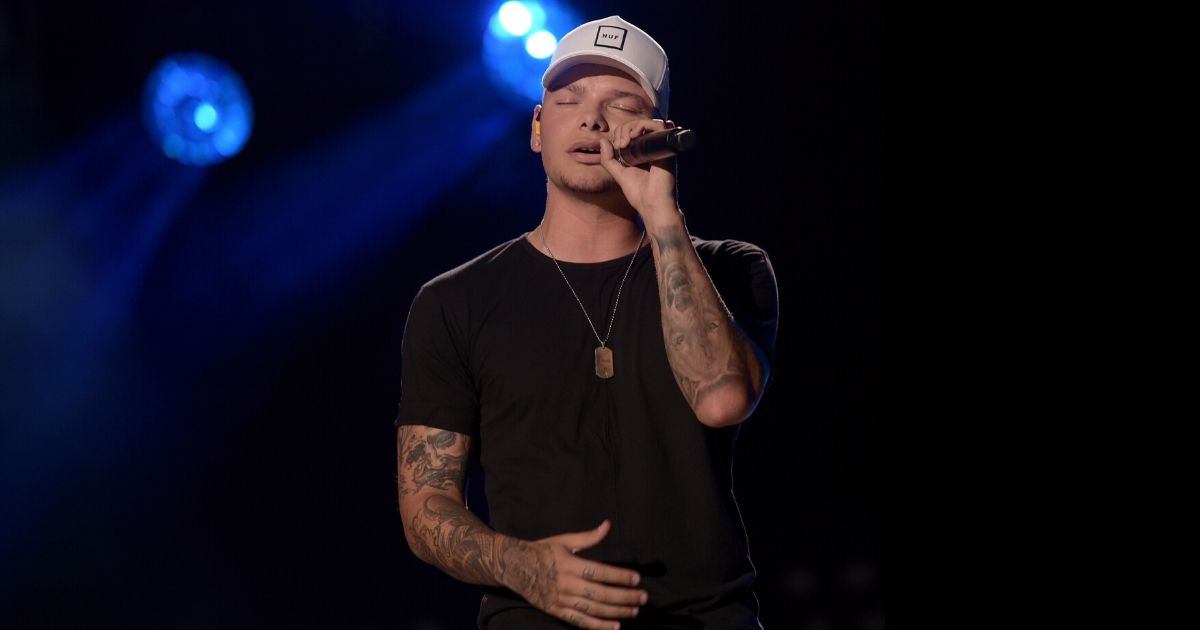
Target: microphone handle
x=656 y=146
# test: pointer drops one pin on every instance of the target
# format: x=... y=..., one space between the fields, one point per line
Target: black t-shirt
x=499 y=348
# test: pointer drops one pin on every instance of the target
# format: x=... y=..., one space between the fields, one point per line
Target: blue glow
x=537 y=15
x=196 y=109
x=516 y=64
x=515 y=18
x=541 y=44
x=205 y=117
x=172 y=145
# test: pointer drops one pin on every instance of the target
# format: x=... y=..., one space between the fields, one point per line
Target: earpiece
x=537 y=123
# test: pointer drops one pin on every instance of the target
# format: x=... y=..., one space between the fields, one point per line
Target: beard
x=592 y=184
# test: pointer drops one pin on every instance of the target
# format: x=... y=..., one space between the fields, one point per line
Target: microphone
x=656 y=146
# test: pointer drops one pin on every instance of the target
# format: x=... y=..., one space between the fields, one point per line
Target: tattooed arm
x=431 y=470
x=718 y=368
x=431 y=466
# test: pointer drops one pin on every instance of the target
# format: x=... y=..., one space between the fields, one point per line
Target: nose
x=592 y=118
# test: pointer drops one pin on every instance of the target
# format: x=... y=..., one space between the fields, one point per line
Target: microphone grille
x=682 y=139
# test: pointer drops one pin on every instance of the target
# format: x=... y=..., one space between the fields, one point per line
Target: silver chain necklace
x=604 y=356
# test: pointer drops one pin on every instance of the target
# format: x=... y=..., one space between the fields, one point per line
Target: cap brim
x=567 y=62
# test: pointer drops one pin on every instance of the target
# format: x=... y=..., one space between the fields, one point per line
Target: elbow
x=725 y=407
x=412 y=537
x=408 y=535
x=418 y=549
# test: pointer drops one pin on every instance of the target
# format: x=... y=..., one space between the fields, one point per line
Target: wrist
x=662 y=216
x=511 y=556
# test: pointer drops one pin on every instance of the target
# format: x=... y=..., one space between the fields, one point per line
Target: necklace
x=604 y=355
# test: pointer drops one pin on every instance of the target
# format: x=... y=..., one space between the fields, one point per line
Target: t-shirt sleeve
x=436 y=386
x=746 y=281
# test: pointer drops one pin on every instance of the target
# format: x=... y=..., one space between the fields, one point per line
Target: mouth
x=587 y=152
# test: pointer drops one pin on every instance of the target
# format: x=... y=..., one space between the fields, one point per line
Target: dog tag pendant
x=604 y=362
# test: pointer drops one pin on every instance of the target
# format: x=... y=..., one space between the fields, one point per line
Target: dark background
x=200 y=367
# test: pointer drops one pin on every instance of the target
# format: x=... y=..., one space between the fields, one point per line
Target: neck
x=587 y=229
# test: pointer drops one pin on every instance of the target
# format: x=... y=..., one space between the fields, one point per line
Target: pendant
x=604 y=362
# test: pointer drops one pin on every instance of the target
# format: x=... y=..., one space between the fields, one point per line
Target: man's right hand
x=549 y=575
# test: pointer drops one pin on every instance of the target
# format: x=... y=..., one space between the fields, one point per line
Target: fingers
x=588 y=579
x=608 y=160
x=592 y=537
x=596 y=606
x=605 y=611
x=600 y=572
x=626 y=597
x=585 y=593
x=627 y=132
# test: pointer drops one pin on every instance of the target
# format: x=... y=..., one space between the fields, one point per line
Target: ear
x=535 y=138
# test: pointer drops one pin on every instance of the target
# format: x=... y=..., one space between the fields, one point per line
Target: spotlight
x=541 y=44
x=197 y=109
x=206 y=116
x=518 y=44
x=515 y=17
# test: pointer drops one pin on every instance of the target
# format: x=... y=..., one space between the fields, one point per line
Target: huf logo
x=611 y=37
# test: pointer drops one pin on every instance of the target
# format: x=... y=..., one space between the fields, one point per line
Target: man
x=595 y=371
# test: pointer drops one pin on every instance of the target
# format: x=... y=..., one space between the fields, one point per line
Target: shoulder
x=481 y=271
x=745 y=279
x=727 y=247
x=743 y=275
x=452 y=300
x=735 y=256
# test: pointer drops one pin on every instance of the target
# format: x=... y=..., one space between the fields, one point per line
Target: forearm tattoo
x=705 y=349
x=448 y=535
x=454 y=539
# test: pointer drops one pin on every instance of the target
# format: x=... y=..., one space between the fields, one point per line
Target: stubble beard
x=594 y=185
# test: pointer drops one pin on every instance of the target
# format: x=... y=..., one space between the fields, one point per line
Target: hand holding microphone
x=656 y=146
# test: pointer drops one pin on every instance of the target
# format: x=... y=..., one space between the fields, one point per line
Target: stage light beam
x=515 y=18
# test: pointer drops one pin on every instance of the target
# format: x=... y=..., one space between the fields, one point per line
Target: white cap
x=618 y=44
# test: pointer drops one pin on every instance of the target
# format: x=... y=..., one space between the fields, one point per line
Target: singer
x=598 y=368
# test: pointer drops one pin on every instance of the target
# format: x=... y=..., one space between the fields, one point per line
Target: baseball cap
x=618 y=44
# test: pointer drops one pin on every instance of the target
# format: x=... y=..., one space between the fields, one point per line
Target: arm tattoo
x=705 y=348
x=431 y=459
x=455 y=540
x=446 y=534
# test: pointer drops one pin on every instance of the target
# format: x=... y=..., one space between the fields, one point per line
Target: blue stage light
x=515 y=18
x=516 y=63
x=197 y=109
x=206 y=116
x=541 y=44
